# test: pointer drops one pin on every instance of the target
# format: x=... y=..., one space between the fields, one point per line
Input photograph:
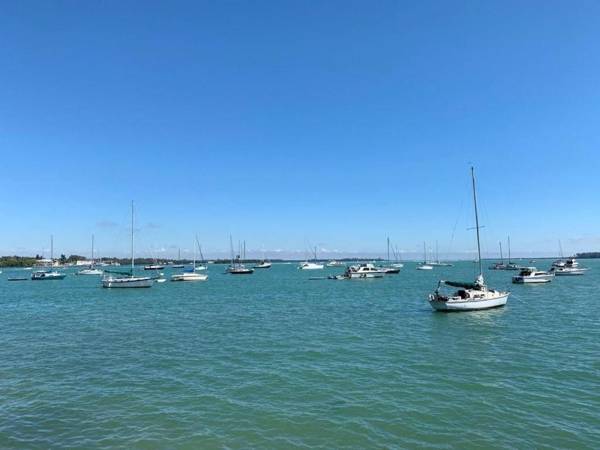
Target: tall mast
x=194 y=261
x=501 y=255
x=477 y=222
x=179 y=255
x=231 y=248
x=388 y=249
x=424 y=253
x=132 y=260
x=560 y=248
x=437 y=255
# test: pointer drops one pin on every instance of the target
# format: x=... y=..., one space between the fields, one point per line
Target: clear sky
x=297 y=123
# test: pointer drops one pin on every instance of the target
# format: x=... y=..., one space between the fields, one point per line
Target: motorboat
x=568 y=267
x=530 y=275
x=154 y=267
x=469 y=296
x=127 y=279
x=47 y=275
x=367 y=270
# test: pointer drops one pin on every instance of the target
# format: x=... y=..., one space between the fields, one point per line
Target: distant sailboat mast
x=132 y=248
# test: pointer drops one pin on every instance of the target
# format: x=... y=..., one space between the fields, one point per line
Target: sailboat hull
x=470 y=304
x=129 y=282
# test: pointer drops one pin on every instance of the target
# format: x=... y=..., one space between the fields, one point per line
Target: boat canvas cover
x=117 y=272
x=462 y=284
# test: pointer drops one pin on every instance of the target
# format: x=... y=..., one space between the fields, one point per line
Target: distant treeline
x=28 y=261
x=588 y=255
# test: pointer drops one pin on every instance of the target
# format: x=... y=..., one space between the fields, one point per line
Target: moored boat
x=530 y=275
x=362 y=271
x=47 y=275
x=127 y=279
x=568 y=267
x=469 y=296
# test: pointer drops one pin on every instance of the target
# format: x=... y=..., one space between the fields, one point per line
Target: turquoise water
x=274 y=360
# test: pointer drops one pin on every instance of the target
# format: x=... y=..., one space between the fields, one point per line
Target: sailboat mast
x=231 y=248
x=501 y=255
x=194 y=261
x=132 y=259
x=388 y=249
x=437 y=255
x=477 y=221
x=424 y=253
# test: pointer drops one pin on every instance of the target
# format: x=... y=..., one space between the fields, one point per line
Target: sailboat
x=178 y=265
x=499 y=265
x=127 y=279
x=437 y=262
x=91 y=270
x=190 y=275
x=470 y=296
x=424 y=265
x=510 y=265
x=236 y=267
x=314 y=265
x=397 y=258
x=389 y=268
x=202 y=265
x=46 y=274
x=264 y=263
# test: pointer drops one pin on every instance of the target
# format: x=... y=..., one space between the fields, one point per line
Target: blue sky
x=291 y=123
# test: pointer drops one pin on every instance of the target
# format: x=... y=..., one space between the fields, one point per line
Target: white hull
x=469 y=304
x=569 y=272
x=311 y=266
x=90 y=272
x=128 y=282
x=189 y=277
x=532 y=280
x=263 y=266
x=200 y=268
x=398 y=265
x=425 y=267
x=357 y=276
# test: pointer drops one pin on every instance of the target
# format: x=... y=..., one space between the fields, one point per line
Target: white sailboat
x=47 y=274
x=437 y=262
x=127 y=280
x=470 y=296
x=178 y=265
x=92 y=269
x=424 y=265
x=311 y=265
x=191 y=274
x=264 y=263
x=202 y=266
